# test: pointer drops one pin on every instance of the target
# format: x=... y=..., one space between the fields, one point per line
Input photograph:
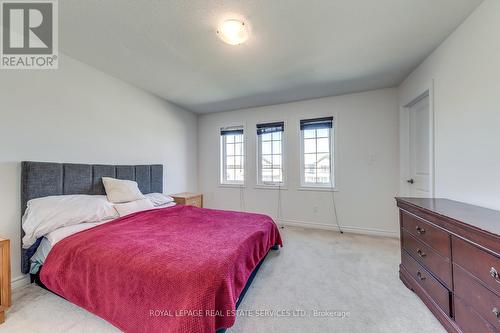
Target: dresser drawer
x=439 y=266
x=469 y=320
x=428 y=233
x=433 y=287
x=193 y=202
x=485 y=302
x=481 y=264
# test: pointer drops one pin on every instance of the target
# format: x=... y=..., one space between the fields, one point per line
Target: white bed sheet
x=52 y=238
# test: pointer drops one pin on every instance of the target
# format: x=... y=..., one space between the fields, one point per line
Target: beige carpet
x=335 y=283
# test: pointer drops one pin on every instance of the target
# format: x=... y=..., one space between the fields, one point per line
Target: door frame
x=428 y=91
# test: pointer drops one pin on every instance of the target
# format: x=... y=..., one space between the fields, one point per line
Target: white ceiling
x=298 y=49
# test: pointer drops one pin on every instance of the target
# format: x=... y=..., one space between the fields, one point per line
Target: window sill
x=233 y=185
x=270 y=187
x=317 y=189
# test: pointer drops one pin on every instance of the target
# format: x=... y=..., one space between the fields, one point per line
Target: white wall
x=466 y=74
x=78 y=114
x=367 y=129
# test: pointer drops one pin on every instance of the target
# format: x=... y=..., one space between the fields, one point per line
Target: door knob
x=410 y=181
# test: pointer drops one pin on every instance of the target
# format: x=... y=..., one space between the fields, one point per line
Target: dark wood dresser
x=450 y=257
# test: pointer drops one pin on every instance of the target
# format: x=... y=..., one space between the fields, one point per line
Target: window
x=317 y=152
x=232 y=156
x=270 y=153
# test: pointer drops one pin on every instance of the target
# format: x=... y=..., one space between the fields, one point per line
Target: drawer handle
x=496 y=313
x=494 y=274
x=420 y=276
x=420 y=231
x=421 y=253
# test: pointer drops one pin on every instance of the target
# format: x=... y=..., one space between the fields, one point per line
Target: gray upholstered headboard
x=41 y=179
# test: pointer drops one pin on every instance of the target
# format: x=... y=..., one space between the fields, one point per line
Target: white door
x=420 y=149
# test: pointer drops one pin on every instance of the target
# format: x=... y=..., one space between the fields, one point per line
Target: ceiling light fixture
x=233 y=32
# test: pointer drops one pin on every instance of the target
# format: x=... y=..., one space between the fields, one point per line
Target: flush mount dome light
x=233 y=32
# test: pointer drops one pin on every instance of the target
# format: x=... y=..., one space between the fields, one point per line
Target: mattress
x=180 y=269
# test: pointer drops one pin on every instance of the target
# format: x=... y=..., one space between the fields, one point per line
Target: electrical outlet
x=372 y=158
x=315 y=209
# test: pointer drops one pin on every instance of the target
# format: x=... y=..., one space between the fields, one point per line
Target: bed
x=178 y=269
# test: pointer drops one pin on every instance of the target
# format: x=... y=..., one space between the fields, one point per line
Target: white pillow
x=133 y=206
x=120 y=191
x=46 y=214
x=159 y=199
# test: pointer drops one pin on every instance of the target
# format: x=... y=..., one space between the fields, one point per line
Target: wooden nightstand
x=5 y=292
x=189 y=199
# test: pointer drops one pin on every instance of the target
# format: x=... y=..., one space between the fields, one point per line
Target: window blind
x=270 y=128
x=316 y=123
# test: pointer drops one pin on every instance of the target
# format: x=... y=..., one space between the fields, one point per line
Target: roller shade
x=317 y=123
x=231 y=131
x=270 y=128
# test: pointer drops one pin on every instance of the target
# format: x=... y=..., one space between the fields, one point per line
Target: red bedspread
x=178 y=269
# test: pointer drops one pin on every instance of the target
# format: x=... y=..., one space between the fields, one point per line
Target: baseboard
x=20 y=281
x=333 y=227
